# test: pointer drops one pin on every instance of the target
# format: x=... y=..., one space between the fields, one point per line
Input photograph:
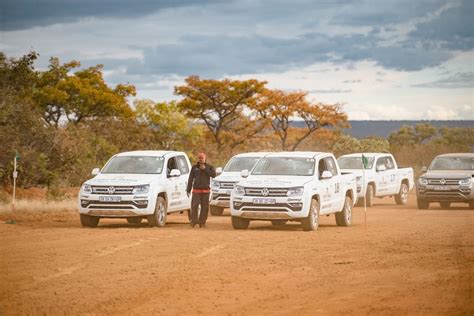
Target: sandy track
x=408 y=261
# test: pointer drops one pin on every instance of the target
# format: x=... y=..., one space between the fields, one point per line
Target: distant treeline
x=65 y=120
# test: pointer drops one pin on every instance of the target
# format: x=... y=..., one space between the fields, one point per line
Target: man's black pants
x=203 y=200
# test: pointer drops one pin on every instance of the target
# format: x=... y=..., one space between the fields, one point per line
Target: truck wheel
x=344 y=217
x=216 y=210
x=445 y=204
x=134 y=220
x=89 y=221
x=279 y=222
x=402 y=197
x=471 y=204
x=422 y=204
x=158 y=218
x=312 y=221
x=240 y=223
x=369 y=196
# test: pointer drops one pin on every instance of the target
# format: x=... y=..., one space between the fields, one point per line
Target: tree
x=280 y=109
x=81 y=96
x=171 y=128
x=346 y=144
x=375 y=144
x=220 y=104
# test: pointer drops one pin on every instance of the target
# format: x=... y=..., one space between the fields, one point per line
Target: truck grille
x=443 y=181
x=112 y=190
x=266 y=192
x=227 y=185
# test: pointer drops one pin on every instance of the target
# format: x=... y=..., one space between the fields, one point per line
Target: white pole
x=15 y=174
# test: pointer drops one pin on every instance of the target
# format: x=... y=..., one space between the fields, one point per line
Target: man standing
x=199 y=181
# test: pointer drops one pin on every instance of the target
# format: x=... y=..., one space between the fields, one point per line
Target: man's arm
x=211 y=172
x=190 y=181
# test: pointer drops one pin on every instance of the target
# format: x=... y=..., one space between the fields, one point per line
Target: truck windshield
x=135 y=164
x=354 y=162
x=285 y=166
x=453 y=163
x=238 y=164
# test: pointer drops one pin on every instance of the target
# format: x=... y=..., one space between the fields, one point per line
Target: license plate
x=264 y=201
x=110 y=198
x=441 y=188
x=228 y=192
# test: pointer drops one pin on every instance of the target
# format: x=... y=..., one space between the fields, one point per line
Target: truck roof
x=365 y=154
x=253 y=154
x=467 y=155
x=301 y=154
x=156 y=153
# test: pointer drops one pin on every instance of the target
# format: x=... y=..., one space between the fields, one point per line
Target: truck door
x=393 y=176
x=382 y=177
x=174 y=187
x=328 y=188
x=184 y=168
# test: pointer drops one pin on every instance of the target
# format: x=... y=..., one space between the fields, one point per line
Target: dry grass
x=39 y=209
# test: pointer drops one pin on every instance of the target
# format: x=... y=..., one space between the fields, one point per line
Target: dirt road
x=408 y=261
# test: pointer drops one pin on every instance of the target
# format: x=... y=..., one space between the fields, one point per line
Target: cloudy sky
x=391 y=59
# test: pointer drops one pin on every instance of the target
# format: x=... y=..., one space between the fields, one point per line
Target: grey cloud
x=24 y=14
x=330 y=91
x=457 y=80
x=452 y=30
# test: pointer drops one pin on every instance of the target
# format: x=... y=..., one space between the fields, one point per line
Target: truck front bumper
x=115 y=206
x=452 y=193
x=275 y=208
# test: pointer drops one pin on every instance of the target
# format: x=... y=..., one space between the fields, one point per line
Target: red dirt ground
x=409 y=261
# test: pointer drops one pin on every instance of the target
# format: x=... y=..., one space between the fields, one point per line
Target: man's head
x=202 y=158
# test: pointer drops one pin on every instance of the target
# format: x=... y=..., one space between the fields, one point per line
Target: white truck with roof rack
x=294 y=186
x=136 y=185
x=224 y=183
x=380 y=178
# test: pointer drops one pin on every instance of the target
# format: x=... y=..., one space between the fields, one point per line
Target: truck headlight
x=86 y=188
x=141 y=189
x=465 y=181
x=423 y=181
x=295 y=191
x=239 y=190
x=215 y=185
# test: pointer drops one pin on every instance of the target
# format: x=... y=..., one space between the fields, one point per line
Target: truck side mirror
x=95 y=171
x=424 y=169
x=175 y=173
x=326 y=175
x=381 y=168
x=219 y=170
x=244 y=173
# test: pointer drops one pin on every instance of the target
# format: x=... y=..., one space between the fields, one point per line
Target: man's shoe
x=202 y=225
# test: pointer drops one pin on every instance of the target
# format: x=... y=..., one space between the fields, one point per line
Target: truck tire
x=402 y=197
x=311 y=222
x=471 y=204
x=158 y=218
x=216 y=210
x=240 y=223
x=445 y=204
x=279 y=222
x=369 y=196
x=422 y=204
x=344 y=217
x=134 y=220
x=89 y=221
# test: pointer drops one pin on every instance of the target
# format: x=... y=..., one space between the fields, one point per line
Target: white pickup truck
x=136 y=185
x=295 y=186
x=382 y=177
x=224 y=183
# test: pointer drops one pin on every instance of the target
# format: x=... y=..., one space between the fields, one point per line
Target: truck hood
x=275 y=181
x=356 y=172
x=438 y=174
x=229 y=176
x=122 y=179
